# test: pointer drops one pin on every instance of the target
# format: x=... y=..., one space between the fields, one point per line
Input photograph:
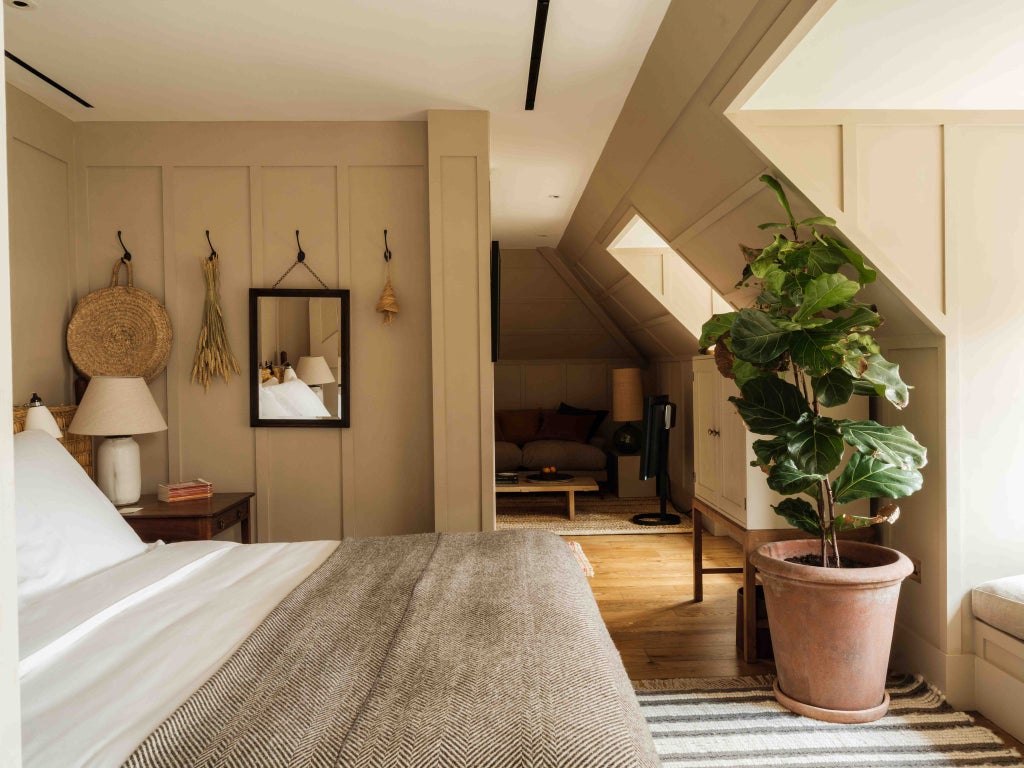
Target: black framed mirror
x=299 y=358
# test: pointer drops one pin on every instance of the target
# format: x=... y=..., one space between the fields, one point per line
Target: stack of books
x=506 y=478
x=186 y=491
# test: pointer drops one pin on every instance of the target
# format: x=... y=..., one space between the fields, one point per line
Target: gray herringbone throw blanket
x=434 y=650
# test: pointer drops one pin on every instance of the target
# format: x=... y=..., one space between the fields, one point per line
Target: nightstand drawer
x=225 y=520
x=191 y=520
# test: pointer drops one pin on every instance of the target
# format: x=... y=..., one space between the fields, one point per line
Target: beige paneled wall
x=252 y=186
x=546 y=383
x=460 y=234
x=40 y=152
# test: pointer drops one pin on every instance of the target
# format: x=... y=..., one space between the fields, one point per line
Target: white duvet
x=106 y=659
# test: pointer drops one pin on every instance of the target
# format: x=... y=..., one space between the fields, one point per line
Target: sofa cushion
x=519 y=427
x=507 y=456
x=563 y=454
x=563 y=426
x=1000 y=604
x=599 y=417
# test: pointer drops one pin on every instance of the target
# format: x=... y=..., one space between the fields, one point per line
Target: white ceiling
x=358 y=60
x=905 y=54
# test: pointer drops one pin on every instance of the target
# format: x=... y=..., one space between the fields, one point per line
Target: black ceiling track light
x=539 y=24
x=48 y=80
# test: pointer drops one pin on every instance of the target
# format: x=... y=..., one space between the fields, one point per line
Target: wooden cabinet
x=723 y=451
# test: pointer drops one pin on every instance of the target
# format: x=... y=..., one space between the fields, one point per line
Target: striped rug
x=736 y=723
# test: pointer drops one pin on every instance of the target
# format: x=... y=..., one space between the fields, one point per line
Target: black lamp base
x=656 y=518
x=627 y=439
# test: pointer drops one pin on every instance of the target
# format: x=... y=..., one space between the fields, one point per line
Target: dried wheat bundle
x=213 y=350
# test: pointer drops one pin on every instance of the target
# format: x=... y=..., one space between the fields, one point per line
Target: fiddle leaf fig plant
x=805 y=345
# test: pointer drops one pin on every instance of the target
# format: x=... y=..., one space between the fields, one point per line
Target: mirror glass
x=300 y=359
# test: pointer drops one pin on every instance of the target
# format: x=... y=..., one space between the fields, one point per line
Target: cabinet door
x=707 y=394
x=732 y=488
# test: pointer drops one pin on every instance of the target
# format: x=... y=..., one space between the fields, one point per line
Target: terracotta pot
x=832 y=627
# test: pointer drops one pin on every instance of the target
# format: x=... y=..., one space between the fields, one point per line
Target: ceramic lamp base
x=627 y=439
x=119 y=470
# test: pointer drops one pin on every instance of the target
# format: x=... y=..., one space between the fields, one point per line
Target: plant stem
x=831 y=505
x=821 y=523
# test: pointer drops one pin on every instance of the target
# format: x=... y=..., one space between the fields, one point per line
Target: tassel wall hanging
x=387 y=304
x=213 y=350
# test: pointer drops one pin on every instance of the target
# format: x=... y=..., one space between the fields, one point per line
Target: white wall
x=905 y=54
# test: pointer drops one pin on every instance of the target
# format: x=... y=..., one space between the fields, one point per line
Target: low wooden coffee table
x=569 y=488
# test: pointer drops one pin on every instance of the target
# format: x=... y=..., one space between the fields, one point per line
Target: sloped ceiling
x=676 y=159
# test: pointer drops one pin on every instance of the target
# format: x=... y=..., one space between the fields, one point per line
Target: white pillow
x=298 y=400
x=66 y=528
x=269 y=407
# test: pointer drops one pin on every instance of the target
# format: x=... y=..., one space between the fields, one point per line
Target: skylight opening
x=666 y=275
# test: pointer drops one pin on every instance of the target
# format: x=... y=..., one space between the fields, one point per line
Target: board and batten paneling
x=252 y=186
x=546 y=383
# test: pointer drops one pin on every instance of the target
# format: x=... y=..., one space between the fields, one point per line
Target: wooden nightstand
x=190 y=520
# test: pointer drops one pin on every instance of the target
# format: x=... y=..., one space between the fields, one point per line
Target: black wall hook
x=127 y=256
x=302 y=254
x=387 y=251
x=213 y=251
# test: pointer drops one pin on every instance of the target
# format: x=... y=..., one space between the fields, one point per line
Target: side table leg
x=698 y=555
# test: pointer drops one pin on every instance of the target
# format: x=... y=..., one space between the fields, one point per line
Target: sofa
x=998 y=608
x=567 y=438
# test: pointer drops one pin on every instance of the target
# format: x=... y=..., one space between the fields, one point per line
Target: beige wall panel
x=709 y=154
x=921 y=530
x=543 y=385
x=214 y=437
x=563 y=346
x=522 y=258
x=602 y=267
x=644 y=264
x=639 y=302
x=508 y=386
x=536 y=283
x=391 y=390
x=304 y=471
x=41 y=273
x=649 y=345
x=587 y=384
x=619 y=313
x=131 y=199
x=676 y=338
x=812 y=156
x=549 y=317
x=900 y=168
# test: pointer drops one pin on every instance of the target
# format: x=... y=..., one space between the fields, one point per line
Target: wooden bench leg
x=698 y=555
x=572 y=504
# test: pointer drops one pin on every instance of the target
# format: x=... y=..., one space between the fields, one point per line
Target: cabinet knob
x=714 y=432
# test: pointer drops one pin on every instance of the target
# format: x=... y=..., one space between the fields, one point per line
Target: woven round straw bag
x=120 y=331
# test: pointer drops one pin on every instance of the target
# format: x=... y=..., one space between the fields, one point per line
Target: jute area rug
x=736 y=723
x=594 y=515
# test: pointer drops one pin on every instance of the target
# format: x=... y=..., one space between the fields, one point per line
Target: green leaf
x=823 y=260
x=816 y=220
x=765 y=262
x=715 y=328
x=800 y=514
x=809 y=349
x=864 y=388
x=770 y=405
x=826 y=292
x=785 y=478
x=743 y=371
x=885 y=377
x=755 y=338
x=774 y=225
x=866 y=477
x=815 y=445
x=772 y=182
x=769 y=451
x=864 y=273
x=859 y=320
x=893 y=445
x=834 y=388
x=775 y=280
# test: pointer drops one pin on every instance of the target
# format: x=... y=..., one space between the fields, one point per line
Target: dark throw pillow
x=599 y=417
x=565 y=426
x=519 y=427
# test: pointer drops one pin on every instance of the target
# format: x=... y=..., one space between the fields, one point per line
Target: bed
x=423 y=650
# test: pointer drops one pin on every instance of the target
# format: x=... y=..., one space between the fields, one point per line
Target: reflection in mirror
x=301 y=356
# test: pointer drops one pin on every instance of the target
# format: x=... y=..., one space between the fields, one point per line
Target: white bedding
x=106 y=659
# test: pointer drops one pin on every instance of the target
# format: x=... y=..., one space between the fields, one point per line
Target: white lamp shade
x=627 y=394
x=314 y=370
x=39 y=417
x=117 y=405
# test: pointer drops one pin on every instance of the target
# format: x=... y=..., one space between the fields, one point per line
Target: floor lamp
x=659 y=418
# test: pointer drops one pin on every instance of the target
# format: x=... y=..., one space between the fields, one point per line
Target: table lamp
x=38 y=416
x=117 y=407
x=627 y=406
x=315 y=371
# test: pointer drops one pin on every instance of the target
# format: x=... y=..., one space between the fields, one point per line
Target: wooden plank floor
x=644 y=588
